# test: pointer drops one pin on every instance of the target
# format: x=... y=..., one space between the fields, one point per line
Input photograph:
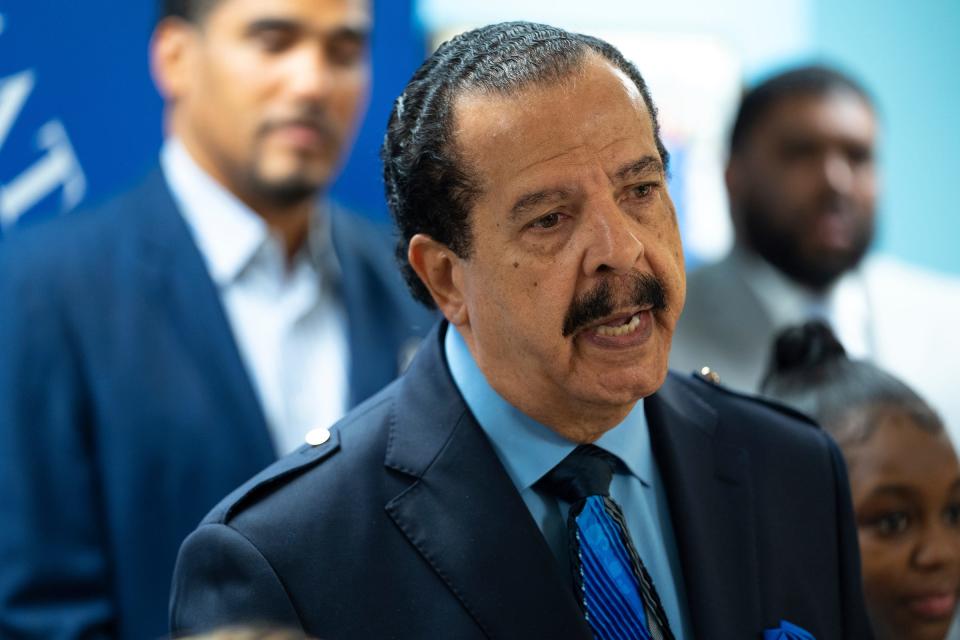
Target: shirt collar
x=228 y=233
x=844 y=305
x=528 y=449
x=786 y=301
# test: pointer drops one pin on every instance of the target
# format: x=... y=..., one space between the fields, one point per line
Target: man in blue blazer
x=536 y=473
x=157 y=352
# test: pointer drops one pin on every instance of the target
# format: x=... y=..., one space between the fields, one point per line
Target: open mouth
x=619 y=327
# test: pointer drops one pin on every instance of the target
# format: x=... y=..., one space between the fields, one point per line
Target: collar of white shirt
x=287 y=320
x=844 y=305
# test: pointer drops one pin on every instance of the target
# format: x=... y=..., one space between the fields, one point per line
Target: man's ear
x=171 y=59
x=441 y=271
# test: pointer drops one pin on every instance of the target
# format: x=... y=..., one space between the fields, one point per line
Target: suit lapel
x=712 y=510
x=364 y=299
x=177 y=276
x=465 y=517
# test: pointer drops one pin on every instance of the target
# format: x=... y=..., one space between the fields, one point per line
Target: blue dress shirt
x=528 y=450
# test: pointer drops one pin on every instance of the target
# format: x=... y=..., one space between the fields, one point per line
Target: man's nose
x=308 y=73
x=837 y=172
x=612 y=244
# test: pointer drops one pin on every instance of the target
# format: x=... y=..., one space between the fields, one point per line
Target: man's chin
x=289 y=189
x=623 y=388
x=822 y=273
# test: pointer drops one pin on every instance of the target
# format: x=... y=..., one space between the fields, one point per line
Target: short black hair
x=810 y=371
x=190 y=10
x=428 y=186
x=810 y=80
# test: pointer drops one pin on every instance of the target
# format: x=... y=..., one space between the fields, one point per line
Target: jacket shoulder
x=707 y=386
x=308 y=464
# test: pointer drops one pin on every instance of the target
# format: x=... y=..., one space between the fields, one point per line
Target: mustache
x=641 y=290
x=837 y=202
x=315 y=119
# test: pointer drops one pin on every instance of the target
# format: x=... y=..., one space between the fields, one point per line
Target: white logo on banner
x=57 y=167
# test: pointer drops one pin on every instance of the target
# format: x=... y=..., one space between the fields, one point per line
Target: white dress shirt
x=845 y=306
x=286 y=318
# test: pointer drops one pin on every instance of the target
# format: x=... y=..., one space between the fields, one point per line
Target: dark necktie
x=612 y=585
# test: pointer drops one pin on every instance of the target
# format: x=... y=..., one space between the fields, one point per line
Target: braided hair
x=429 y=186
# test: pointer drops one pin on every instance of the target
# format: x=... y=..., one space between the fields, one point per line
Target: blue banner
x=81 y=120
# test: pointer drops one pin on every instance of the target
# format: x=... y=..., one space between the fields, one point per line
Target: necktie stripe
x=606 y=623
x=609 y=584
x=617 y=595
x=656 y=611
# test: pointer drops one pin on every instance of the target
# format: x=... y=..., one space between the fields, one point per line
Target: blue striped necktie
x=613 y=587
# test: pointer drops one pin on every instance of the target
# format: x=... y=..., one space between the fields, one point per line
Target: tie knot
x=587 y=471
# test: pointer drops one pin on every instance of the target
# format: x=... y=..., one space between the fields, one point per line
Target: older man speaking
x=537 y=473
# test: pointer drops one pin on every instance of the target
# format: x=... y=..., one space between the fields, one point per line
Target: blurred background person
x=803 y=186
x=904 y=478
x=162 y=349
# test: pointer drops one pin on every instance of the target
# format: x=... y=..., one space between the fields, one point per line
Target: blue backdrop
x=80 y=118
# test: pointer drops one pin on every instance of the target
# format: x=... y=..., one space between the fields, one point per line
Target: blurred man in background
x=803 y=185
x=159 y=351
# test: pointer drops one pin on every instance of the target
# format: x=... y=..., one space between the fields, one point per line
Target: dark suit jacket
x=126 y=412
x=405 y=525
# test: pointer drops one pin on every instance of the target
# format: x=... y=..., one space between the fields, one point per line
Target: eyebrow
x=899 y=491
x=646 y=164
x=530 y=200
x=271 y=24
x=359 y=33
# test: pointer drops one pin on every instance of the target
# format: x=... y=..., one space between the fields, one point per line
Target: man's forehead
x=597 y=112
x=561 y=89
x=332 y=14
x=837 y=112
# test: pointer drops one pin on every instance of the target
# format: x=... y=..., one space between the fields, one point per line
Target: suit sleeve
x=54 y=571
x=221 y=579
x=856 y=623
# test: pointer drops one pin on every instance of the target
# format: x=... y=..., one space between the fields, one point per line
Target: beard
x=305 y=174
x=285 y=192
x=783 y=246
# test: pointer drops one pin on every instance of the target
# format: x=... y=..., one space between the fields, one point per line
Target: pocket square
x=787 y=631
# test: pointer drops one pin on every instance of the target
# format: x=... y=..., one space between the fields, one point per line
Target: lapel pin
x=709 y=375
x=318 y=436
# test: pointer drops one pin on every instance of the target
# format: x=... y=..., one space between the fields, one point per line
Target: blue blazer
x=126 y=412
x=406 y=525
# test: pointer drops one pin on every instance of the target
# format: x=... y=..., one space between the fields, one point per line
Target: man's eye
x=546 y=222
x=859 y=156
x=274 y=40
x=892 y=524
x=346 y=52
x=641 y=191
x=951 y=515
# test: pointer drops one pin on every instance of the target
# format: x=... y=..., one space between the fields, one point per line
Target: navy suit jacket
x=406 y=525
x=126 y=413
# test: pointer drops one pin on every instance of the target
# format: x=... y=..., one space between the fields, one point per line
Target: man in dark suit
x=536 y=473
x=159 y=351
